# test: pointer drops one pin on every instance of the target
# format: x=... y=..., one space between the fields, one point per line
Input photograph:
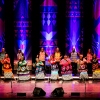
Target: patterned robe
x=82 y=69
x=19 y=55
x=89 y=57
x=54 y=69
x=94 y=63
x=57 y=56
x=22 y=71
x=7 y=69
x=39 y=67
x=39 y=70
x=42 y=56
x=22 y=66
x=66 y=67
x=2 y=55
x=54 y=65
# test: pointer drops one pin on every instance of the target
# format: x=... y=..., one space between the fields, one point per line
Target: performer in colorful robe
x=74 y=56
x=89 y=63
x=95 y=67
x=19 y=54
x=39 y=69
x=82 y=68
x=42 y=56
x=7 y=69
x=54 y=67
x=2 y=56
x=66 y=68
x=22 y=71
x=57 y=57
x=94 y=62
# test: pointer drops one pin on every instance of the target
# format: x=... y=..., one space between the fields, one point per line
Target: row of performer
x=60 y=65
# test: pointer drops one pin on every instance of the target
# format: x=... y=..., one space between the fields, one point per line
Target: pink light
x=97 y=9
x=48 y=3
x=97 y=29
x=1 y=27
x=22 y=45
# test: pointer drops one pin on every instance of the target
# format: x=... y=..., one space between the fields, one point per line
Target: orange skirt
x=7 y=70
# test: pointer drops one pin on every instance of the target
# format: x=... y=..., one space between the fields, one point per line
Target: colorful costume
x=2 y=56
x=39 y=70
x=19 y=55
x=74 y=57
x=82 y=69
x=94 y=63
x=66 y=69
x=54 y=69
x=89 y=57
x=96 y=74
x=89 y=64
x=57 y=57
x=22 y=71
x=7 y=68
x=96 y=70
x=42 y=56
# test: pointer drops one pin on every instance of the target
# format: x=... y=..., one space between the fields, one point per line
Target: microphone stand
x=35 y=83
x=85 y=87
x=12 y=84
x=18 y=71
x=11 y=87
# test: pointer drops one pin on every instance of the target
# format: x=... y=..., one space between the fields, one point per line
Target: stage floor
x=87 y=89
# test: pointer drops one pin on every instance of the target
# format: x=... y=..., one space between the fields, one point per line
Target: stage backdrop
x=74 y=25
x=23 y=28
x=2 y=25
x=48 y=40
x=96 y=31
x=48 y=25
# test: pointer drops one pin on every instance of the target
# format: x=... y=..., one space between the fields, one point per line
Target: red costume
x=53 y=64
x=65 y=66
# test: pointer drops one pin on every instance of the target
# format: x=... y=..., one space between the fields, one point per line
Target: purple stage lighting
x=74 y=27
x=48 y=10
x=96 y=33
x=22 y=27
x=2 y=26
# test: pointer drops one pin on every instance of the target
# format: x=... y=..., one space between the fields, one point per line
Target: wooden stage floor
x=88 y=90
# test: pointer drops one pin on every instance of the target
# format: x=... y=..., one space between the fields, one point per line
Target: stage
x=89 y=89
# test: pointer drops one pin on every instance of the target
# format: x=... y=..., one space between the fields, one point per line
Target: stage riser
x=59 y=78
x=73 y=98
